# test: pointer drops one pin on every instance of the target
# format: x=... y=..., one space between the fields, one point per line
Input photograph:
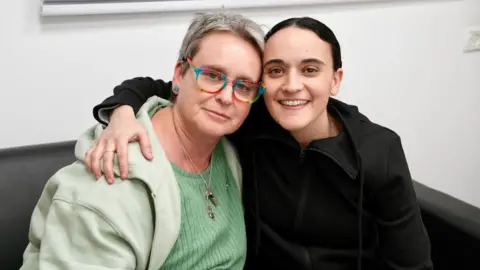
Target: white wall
x=404 y=68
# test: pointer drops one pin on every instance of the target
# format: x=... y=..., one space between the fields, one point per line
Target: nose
x=293 y=83
x=225 y=96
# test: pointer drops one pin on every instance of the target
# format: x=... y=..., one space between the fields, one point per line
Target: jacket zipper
x=302 y=155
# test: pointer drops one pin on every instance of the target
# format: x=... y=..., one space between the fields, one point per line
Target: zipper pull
x=302 y=155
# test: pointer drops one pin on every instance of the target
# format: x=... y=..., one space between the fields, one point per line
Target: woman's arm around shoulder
x=404 y=241
x=118 y=112
x=134 y=93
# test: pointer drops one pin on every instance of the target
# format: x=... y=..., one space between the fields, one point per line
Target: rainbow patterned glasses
x=212 y=81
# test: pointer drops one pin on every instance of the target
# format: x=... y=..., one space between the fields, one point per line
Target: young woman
x=184 y=209
x=324 y=187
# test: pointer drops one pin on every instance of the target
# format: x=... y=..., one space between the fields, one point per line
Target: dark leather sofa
x=453 y=226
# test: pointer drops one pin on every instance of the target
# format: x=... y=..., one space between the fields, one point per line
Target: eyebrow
x=214 y=67
x=313 y=60
x=222 y=70
x=274 y=61
x=304 y=61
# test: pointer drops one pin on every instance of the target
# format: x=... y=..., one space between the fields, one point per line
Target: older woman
x=325 y=188
x=183 y=209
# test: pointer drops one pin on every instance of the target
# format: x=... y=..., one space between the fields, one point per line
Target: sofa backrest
x=453 y=227
x=23 y=174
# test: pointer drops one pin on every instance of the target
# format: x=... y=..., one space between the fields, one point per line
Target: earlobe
x=333 y=91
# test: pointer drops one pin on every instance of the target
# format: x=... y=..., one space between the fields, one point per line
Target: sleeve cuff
x=102 y=111
x=104 y=114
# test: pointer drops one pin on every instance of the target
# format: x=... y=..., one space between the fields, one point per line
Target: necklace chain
x=208 y=191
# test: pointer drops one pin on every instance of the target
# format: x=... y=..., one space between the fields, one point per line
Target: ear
x=177 y=75
x=337 y=80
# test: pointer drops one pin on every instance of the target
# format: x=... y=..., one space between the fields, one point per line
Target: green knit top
x=204 y=243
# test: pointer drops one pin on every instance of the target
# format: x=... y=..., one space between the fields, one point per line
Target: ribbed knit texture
x=204 y=243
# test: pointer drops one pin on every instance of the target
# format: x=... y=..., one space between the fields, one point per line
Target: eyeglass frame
x=227 y=81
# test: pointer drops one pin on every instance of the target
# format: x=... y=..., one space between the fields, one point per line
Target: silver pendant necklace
x=209 y=197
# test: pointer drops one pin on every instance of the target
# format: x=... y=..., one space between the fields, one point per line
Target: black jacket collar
x=346 y=155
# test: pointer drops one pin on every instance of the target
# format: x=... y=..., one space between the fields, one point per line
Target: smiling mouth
x=293 y=102
x=218 y=114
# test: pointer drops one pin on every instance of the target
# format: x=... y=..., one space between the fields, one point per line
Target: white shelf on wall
x=59 y=8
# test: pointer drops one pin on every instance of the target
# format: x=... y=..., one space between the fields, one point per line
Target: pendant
x=209 y=196
x=210 y=212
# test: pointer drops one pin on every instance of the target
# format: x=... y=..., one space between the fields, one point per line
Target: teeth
x=293 y=102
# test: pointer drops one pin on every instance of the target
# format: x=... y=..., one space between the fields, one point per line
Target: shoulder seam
x=93 y=210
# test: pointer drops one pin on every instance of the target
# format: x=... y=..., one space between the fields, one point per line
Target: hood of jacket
x=262 y=125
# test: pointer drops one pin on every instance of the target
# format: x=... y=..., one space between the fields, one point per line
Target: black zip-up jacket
x=341 y=203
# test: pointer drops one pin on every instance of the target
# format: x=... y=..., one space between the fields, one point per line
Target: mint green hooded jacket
x=80 y=223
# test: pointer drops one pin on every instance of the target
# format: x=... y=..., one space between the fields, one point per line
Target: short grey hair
x=205 y=23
